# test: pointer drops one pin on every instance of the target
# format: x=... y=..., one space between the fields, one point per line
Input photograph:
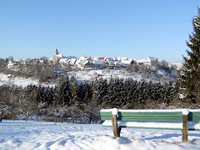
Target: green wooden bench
x=178 y=119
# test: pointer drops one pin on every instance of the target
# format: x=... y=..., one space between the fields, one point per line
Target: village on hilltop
x=100 y=62
x=87 y=62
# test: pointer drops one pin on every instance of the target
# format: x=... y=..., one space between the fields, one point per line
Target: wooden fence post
x=185 y=126
x=116 y=130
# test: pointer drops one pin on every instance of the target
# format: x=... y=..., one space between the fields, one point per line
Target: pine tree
x=100 y=90
x=75 y=91
x=61 y=93
x=190 y=78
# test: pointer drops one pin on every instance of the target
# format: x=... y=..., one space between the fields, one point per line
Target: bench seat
x=192 y=126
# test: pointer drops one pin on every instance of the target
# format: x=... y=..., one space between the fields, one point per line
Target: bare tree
x=4 y=110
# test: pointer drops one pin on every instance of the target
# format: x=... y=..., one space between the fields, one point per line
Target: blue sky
x=130 y=28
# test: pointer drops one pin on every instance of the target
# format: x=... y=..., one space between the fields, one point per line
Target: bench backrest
x=132 y=118
x=150 y=115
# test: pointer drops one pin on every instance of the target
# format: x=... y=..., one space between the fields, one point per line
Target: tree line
x=70 y=100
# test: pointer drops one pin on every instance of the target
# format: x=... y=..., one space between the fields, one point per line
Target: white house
x=11 y=64
x=147 y=61
x=72 y=61
x=81 y=63
x=63 y=61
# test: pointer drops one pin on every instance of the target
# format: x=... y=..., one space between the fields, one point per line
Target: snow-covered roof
x=63 y=60
x=81 y=61
x=178 y=65
x=109 y=59
x=98 y=62
x=147 y=60
x=124 y=58
x=59 y=56
x=151 y=58
x=127 y=61
x=11 y=63
x=72 y=61
x=82 y=58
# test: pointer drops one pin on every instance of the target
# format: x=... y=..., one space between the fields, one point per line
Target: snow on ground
x=104 y=73
x=19 y=135
x=19 y=81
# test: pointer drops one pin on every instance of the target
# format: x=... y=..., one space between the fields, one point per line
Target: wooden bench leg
x=185 y=129
x=116 y=130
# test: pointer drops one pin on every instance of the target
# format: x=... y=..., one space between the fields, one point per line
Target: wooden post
x=185 y=126
x=116 y=130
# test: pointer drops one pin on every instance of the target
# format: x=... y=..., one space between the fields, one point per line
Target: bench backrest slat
x=151 y=116
x=194 y=116
x=144 y=116
x=106 y=115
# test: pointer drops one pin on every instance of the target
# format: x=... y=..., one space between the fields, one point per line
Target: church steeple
x=56 y=52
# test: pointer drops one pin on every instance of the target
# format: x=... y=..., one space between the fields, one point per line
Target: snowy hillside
x=48 y=70
x=88 y=75
x=105 y=74
x=19 y=135
x=18 y=81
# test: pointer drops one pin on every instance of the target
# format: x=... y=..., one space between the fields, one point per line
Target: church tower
x=56 y=52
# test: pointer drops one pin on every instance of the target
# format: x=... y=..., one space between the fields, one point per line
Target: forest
x=72 y=101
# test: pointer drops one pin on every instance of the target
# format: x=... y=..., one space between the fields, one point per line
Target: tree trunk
x=1 y=117
x=55 y=119
x=13 y=117
x=36 y=118
x=89 y=120
x=26 y=117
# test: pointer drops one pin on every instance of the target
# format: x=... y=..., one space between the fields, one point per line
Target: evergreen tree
x=101 y=89
x=190 y=78
x=61 y=94
x=75 y=91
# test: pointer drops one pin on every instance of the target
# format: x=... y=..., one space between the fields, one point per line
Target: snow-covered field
x=19 y=135
x=83 y=75
x=103 y=73
x=19 y=81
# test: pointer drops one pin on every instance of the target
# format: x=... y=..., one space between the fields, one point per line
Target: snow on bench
x=177 y=119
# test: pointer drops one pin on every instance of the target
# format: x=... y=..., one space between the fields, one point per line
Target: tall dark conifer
x=190 y=78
